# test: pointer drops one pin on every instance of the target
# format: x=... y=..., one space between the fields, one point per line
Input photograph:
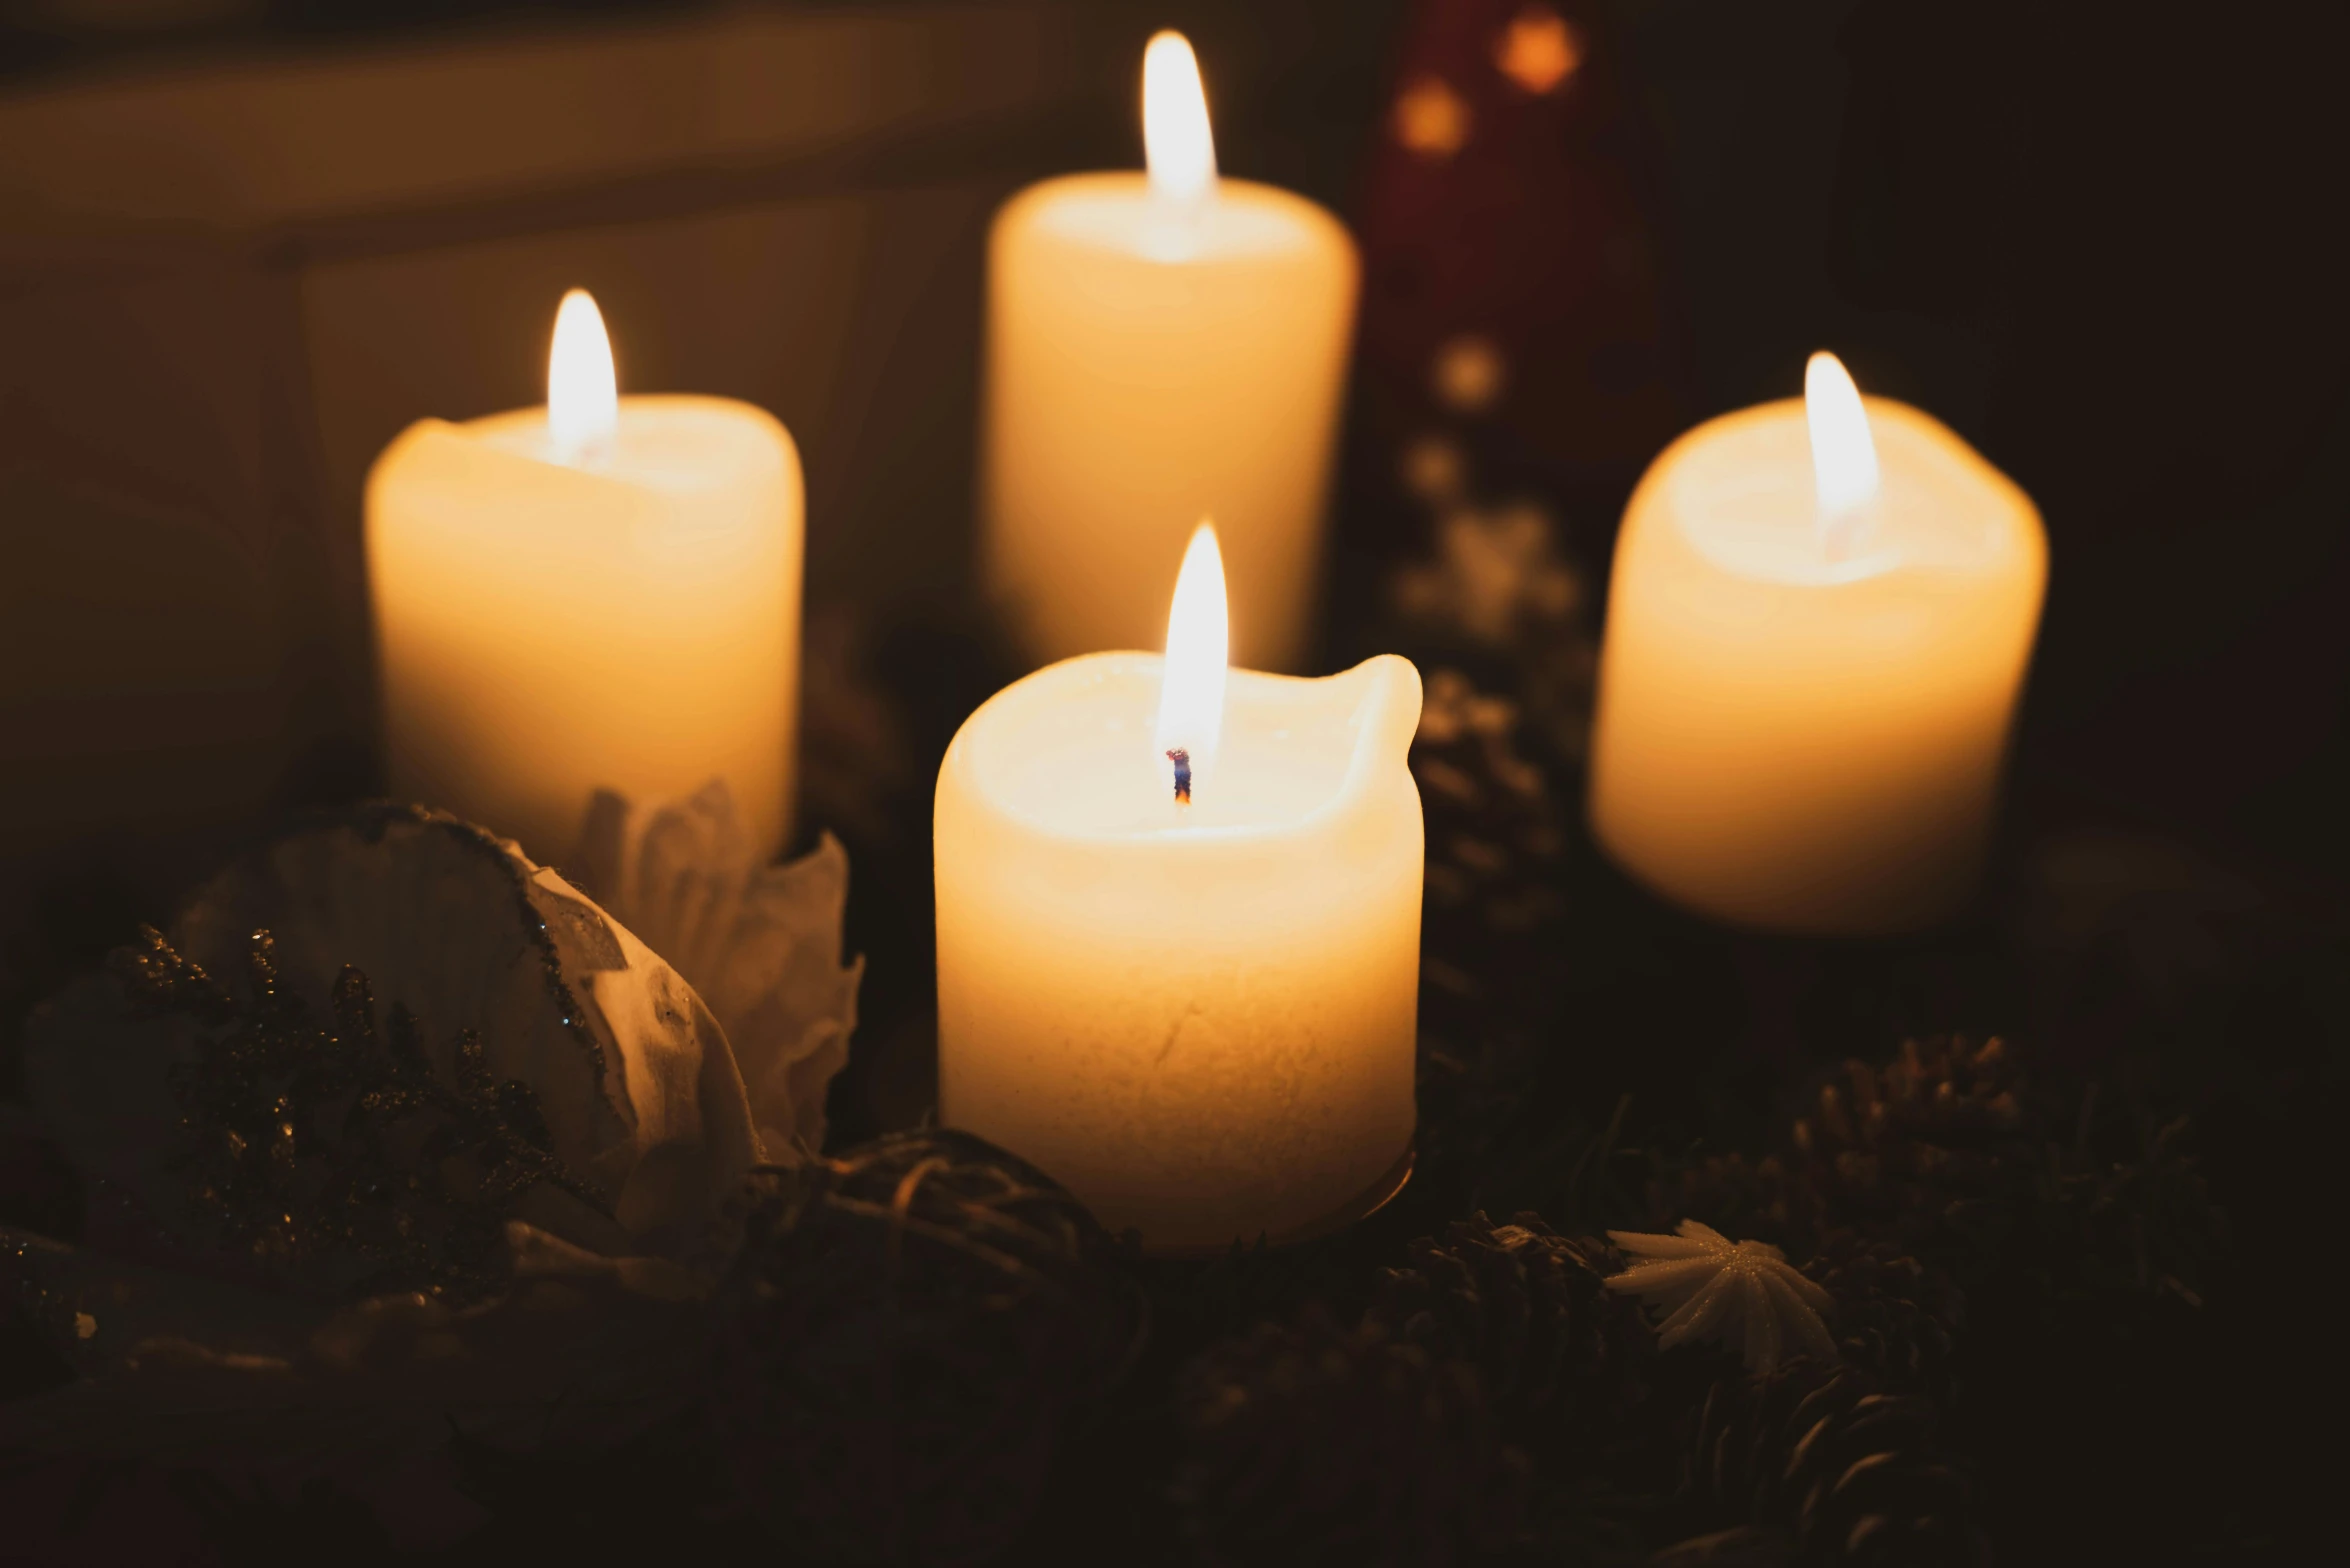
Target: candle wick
x=1182 y=761
x=1844 y=529
x=592 y=453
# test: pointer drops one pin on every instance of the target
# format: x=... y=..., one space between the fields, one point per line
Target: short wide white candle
x=1816 y=635
x=601 y=593
x=1199 y=1017
x=1161 y=347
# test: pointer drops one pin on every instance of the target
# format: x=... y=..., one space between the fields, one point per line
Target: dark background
x=2103 y=241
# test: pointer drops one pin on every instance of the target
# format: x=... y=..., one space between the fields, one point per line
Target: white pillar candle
x=604 y=592
x=1198 y=1017
x=1817 y=631
x=1161 y=347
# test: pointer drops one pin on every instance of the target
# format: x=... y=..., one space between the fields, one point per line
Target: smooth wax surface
x=629 y=621
x=1795 y=737
x=1199 y=1019
x=1152 y=363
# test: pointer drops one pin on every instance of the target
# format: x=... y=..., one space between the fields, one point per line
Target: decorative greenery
x=921 y=1350
x=907 y=1336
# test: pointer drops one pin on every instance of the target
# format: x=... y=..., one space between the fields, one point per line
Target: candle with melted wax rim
x=1819 y=624
x=1199 y=1016
x=604 y=592
x=1161 y=346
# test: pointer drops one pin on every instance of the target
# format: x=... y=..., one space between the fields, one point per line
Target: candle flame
x=1199 y=639
x=1843 y=454
x=1177 y=143
x=583 y=395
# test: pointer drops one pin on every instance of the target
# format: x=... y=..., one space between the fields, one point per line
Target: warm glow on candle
x=583 y=395
x=1843 y=454
x=1805 y=700
x=1199 y=638
x=1176 y=141
x=574 y=597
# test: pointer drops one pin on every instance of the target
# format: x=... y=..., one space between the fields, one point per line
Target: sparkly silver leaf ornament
x=760 y=943
x=1745 y=1294
x=394 y=1135
x=408 y=937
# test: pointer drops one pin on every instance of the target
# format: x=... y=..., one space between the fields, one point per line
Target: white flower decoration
x=1743 y=1293
x=761 y=944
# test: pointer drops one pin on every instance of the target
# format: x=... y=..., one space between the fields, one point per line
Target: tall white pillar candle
x=601 y=593
x=1817 y=632
x=1199 y=1017
x=1160 y=348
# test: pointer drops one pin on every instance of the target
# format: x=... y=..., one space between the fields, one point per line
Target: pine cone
x=1897 y=1151
x=906 y=1337
x=1760 y=1200
x=1895 y=1317
x=1940 y=1116
x=1496 y=862
x=1527 y=1307
x=1887 y=1149
x=1494 y=840
x=1945 y=1089
x=1817 y=1465
x=1948 y=1153
x=1310 y=1443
